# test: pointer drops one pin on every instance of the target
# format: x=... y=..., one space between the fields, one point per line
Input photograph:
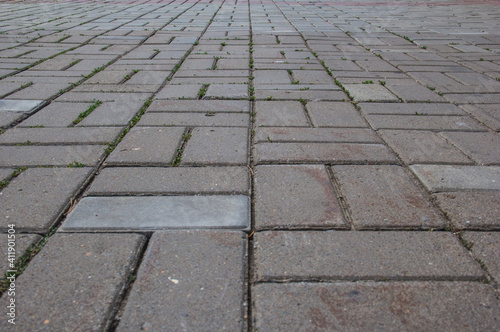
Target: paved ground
x=263 y=165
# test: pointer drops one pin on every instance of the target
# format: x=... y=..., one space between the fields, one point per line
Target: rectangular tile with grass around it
x=159 y=212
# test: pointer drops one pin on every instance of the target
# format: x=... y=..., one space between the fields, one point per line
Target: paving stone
x=370 y=92
x=56 y=115
x=421 y=147
x=343 y=255
x=62 y=155
x=205 y=106
x=410 y=109
x=295 y=197
x=194 y=287
x=170 y=180
x=294 y=94
x=280 y=113
x=484 y=148
x=113 y=114
x=87 y=266
x=22 y=243
x=35 y=199
x=219 y=146
x=8 y=118
x=185 y=91
x=159 y=212
x=147 y=146
x=474 y=98
x=334 y=114
x=5 y=173
x=488 y=114
x=380 y=306
x=60 y=135
x=23 y=106
x=410 y=91
x=485 y=246
x=228 y=91
x=471 y=210
x=322 y=153
x=384 y=197
x=39 y=91
x=438 y=178
x=209 y=119
x=423 y=122
x=325 y=135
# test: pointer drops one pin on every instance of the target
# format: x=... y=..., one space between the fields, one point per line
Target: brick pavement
x=250 y=165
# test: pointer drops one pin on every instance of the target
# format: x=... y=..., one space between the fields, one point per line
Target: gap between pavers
x=125 y=213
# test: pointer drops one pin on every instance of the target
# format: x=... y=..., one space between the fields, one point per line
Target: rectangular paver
x=159 y=212
x=86 y=266
x=197 y=286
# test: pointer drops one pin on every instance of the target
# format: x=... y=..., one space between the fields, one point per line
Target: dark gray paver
x=370 y=92
x=438 y=178
x=384 y=196
x=171 y=180
x=295 y=197
x=410 y=109
x=159 y=212
x=485 y=247
x=484 y=148
x=56 y=114
x=60 y=135
x=376 y=306
x=422 y=122
x=23 y=106
x=280 y=113
x=471 y=210
x=195 y=287
x=22 y=243
x=61 y=155
x=5 y=173
x=322 y=152
x=330 y=135
x=348 y=255
x=220 y=146
x=227 y=91
x=209 y=119
x=87 y=267
x=418 y=147
x=240 y=106
x=34 y=200
x=145 y=146
x=334 y=114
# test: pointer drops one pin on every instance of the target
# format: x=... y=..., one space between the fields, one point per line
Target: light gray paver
x=23 y=106
x=87 y=267
x=56 y=114
x=438 y=178
x=485 y=247
x=239 y=106
x=195 y=287
x=384 y=197
x=227 y=91
x=375 y=306
x=34 y=199
x=410 y=109
x=159 y=212
x=362 y=255
x=295 y=197
x=171 y=180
